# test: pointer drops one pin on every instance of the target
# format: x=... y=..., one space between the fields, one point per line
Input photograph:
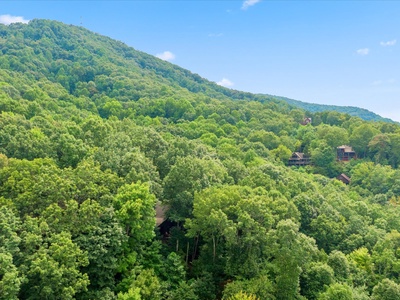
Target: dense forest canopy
x=94 y=133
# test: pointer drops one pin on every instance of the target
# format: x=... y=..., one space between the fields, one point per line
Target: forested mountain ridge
x=351 y=110
x=94 y=133
x=74 y=45
x=61 y=50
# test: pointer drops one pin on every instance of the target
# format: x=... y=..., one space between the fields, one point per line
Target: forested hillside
x=93 y=134
x=351 y=110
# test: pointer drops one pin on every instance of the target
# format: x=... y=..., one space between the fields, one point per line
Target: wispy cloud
x=166 y=55
x=246 y=4
x=363 y=51
x=377 y=82
x=225 y=82
x=384 y=82
x=388 y=43
x=9 y=19
x=215 y=35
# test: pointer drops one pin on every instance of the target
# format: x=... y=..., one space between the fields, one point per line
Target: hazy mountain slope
x=351 y=110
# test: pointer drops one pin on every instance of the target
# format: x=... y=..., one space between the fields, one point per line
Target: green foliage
x=260 y=287
x=11 y=280
x=340 y=265
x=337 y=291
x=233 y=222
x=93 y=133
x=321 y=110
x=51 y=264
x=386 y=290
x=135 y=210
x=316 y=278
x=187 y=176
x=291 y=250
x=242 y=296
x=361 y=137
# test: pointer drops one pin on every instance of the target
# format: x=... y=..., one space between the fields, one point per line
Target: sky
x=328 y=52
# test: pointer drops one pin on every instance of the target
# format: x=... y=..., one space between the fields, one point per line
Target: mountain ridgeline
x=73 y=47
x=351 y=110
x=96 y=137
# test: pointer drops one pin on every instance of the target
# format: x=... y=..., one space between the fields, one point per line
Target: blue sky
x=328 y=52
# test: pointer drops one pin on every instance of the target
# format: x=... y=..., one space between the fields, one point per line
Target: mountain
x=74 y=57
x=351 y=110
x=98 y=139
x=60 y=48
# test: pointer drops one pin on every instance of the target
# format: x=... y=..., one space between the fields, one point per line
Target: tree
x=337 y=291
x=323 y=156
x=134 y=205
x=187 y=176
x=340 y=265
x=183 y=291
x=379 y=148
x=242 y=296
x=328 y=229
x=333 y=136
x=306 y=135
x=148 y=285
x=51 y=264
x=268 y=139
x=394 y=157
x=362 y=267
x=233 y=222
x=96 y=230
x=315 y=279
x=260 y=286
x=386 y=257
x=70 y=151
x=291 y=251
x=360 y=137
x=30 y=144
x=282 y=153
x=10 y=278
x=386 y=290
x=33 y=185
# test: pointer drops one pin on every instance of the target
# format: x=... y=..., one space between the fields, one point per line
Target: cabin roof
x=299 y=155
x=346 y=148
x=160 y=213
x=344 y=178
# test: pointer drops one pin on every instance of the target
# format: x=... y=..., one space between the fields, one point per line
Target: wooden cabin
x=345 y=153
x=163 y=223
x=299 y=159
x=306 y=121
x=344 y=178
x=160 y=213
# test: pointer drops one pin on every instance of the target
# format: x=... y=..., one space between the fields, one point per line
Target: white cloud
x=246 y=4
x=225 y=82
x=166 y=55
x=388 y=43
x=8 y=19
x=363 y=51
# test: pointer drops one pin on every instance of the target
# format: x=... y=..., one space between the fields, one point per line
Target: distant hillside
x=351 y=110
x=80 y=60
